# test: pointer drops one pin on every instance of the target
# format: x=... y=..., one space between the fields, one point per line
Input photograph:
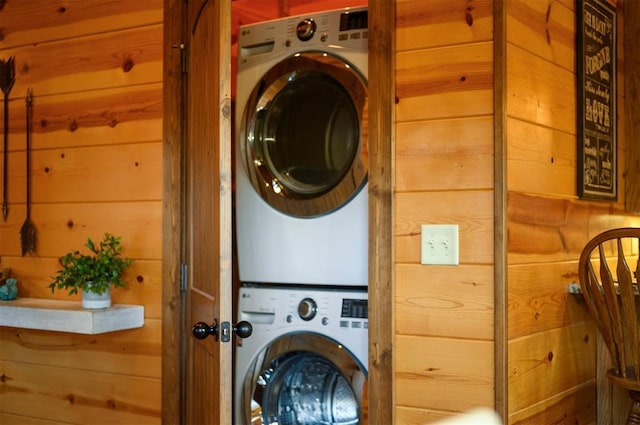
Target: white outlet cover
x=439 y=244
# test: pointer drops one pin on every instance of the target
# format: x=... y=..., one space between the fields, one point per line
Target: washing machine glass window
x=308 y=389
x=304 y=379
x=305 y=135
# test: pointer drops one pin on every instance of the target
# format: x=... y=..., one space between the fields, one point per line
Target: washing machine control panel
x=308 y=309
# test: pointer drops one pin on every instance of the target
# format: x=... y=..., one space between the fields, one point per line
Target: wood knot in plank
x=468 y=17
x=127 y=65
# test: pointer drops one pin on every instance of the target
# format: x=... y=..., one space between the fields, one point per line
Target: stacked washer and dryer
x=301 y=217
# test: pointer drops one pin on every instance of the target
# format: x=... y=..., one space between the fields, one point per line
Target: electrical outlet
x=439 y=244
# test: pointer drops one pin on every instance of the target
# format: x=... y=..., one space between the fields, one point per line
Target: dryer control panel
x=332 y=29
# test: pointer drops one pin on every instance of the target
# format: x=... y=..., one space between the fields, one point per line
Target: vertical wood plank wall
x=444 y=349
x=552 y=342
x=96 y=73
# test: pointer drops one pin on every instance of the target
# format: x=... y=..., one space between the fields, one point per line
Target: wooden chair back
x=609 y=270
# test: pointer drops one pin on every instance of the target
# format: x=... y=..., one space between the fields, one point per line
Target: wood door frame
x=173 y=213
x=381 y=178
x=501 y=347
x=381 y=171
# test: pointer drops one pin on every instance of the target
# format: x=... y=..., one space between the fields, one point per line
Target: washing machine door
x=304 y=379
x=303 y=135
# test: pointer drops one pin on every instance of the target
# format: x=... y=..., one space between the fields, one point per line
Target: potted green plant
x=94 y=273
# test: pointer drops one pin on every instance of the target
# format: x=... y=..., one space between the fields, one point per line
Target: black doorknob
x=201 y=330
x=243 y=329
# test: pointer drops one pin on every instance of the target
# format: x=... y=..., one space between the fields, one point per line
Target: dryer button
x=325 y=321
x=289 y=318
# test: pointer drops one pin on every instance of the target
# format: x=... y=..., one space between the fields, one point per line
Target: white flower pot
x=93 y=301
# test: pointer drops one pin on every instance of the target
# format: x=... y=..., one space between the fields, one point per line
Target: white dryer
x=301 y=149
x=306 y=360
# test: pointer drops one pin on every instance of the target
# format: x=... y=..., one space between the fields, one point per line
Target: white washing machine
x=306 y=360
x=301 y=149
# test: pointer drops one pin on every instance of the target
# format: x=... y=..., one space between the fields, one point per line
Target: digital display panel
x=356 y=309
x=354 y=21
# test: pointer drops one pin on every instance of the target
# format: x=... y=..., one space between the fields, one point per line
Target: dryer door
x=303 y=134
x=304 y=379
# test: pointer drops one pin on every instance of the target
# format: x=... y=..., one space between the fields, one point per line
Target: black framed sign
x=596 y=78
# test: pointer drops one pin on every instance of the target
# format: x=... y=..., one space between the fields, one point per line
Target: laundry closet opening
x=301 y=211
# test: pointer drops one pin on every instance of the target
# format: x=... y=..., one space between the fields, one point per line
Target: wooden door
x=208 y=208
x=197 y=212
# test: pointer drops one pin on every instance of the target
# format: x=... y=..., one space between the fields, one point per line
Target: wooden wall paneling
x=541 y=160
x=96 y=74
x=37 y=21
x=65 y=227
x=548 y=363
x=121 y=115
x=631 y=94
x=539 y=300
x=412 y=416
x=79 y=395
x=436 y=301
x=453 y=154
x=107 y=173
x=134 y=352
x=577 y=406
x=444 y=374
x=561 y=226
x=104 y=60
x=471 y=210
x=540 y=91
x=421 y=24
x=382 y=86
x=21 y=420
x=448 y=82
x=546 y=29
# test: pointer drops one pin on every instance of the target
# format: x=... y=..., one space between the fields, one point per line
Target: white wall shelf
x=69 y=316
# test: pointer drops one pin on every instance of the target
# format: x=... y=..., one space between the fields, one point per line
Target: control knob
x=307 y=309
x=305 y=29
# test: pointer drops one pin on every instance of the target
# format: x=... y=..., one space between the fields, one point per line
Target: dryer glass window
x=303 y=135
x=309 y=134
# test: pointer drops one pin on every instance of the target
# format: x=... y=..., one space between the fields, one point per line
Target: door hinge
x=183 y=278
